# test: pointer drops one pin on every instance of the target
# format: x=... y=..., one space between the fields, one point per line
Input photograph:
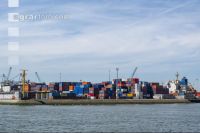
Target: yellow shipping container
x=130 y=95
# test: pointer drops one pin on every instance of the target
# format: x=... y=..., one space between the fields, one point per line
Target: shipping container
x=198 y=94
x=85 y=83
x=154 y=84
x=158 y=89
x=86 y=91
x=106 y=83
x=91 y=92
x=64 y=86
x=71 y=88
x=44 y=88
x=121 y=84
x=144 y=90
x=55 y=94
x=79 y=90
x=102 y=94
x=130 y=95
x=108 y=86
x=98 y=86
x=116 y=81
x=133 y=80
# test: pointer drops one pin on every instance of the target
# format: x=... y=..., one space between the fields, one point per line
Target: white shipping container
x=139 y=95
x=17 y=95
x=137 y=88
x=92 y=97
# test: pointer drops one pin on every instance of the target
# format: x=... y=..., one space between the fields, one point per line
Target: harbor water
x=108 y=118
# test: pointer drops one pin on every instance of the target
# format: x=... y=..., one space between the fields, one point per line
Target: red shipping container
x=91 y=94
x=91 y=91
x=160 y=90
x=121 y=84
x=155 y=84
x=134 y=80
x=198 y=94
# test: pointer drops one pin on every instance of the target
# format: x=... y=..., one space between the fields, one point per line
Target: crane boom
x=9 y=72
x=134 y=72
x=38 y=77
x=18 y=75
x=4 y=77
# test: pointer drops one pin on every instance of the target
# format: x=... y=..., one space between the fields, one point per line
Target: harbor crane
x=5 y=79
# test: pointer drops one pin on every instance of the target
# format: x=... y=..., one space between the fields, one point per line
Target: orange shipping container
x=44 y=89
x=71 y=87
x=109 y=86
x=84 y=83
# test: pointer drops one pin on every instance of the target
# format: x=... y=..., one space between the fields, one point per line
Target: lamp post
x=109 y=75
x=117 y=69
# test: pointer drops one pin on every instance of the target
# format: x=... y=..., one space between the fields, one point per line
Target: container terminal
x=131 y=90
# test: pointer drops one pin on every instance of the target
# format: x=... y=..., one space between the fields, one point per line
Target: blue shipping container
x=78 y=90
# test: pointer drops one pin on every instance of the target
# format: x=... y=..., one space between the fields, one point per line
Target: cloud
x=103 y=35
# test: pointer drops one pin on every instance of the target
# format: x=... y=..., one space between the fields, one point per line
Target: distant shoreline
x=93 y=102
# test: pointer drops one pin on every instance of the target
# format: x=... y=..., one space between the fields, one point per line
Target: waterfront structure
x=131 y=88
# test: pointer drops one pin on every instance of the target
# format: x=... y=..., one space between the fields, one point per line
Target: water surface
x=109 y=118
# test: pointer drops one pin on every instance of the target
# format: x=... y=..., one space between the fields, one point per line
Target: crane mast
x=23 y=82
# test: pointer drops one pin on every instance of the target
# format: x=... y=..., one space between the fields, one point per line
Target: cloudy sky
x=161 y=37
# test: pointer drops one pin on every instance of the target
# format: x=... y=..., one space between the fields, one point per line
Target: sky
x=160 y=37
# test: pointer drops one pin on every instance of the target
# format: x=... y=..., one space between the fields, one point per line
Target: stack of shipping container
x=124 y=89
